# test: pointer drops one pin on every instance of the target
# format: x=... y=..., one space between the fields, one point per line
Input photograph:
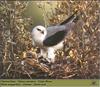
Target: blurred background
x=79 y=59
x=39 y=10
x=35 y=13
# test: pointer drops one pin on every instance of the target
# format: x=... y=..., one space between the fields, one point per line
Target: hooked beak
x=42 y=32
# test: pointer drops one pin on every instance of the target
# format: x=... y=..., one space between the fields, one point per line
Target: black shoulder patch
x=54 y=39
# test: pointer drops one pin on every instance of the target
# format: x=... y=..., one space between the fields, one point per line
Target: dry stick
x=28 y=74
x=67 y=77
x=9 y=67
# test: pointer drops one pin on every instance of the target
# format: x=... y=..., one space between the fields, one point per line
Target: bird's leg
x=43 y=56
x=51 y=55
x=43 y=53
x=47 y=55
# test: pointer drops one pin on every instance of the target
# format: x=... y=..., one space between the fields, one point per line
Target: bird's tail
x=73 y=18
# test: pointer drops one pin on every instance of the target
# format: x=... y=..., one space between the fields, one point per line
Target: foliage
x=14 y=32
x=80 y=56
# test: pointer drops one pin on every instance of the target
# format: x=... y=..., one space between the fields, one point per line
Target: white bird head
x=38 y=34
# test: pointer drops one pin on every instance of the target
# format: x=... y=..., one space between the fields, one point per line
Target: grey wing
x=72 y=18
x=54 y=29
x=55 y=34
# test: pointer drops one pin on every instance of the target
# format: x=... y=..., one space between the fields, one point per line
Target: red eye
x=38 y=29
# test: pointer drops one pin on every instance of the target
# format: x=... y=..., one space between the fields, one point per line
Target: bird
x=51 y=39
